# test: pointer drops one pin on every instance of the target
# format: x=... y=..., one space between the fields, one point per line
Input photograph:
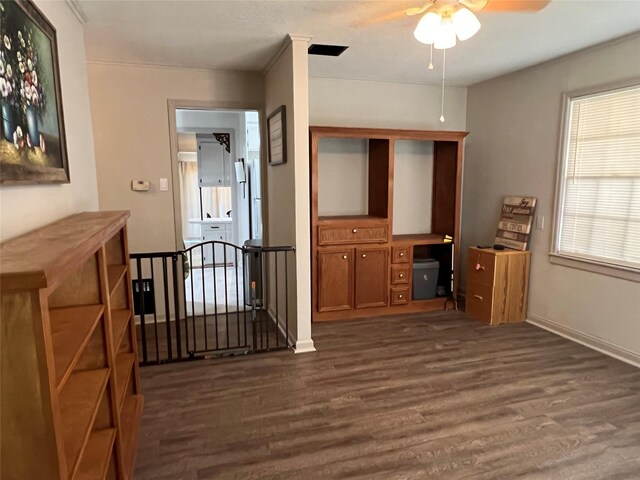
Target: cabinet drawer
x=400 y=254
x=479 y=301
x=354 y=234
x=399 y=296
x=215 y=227
x=399 y=274
x=480 y=267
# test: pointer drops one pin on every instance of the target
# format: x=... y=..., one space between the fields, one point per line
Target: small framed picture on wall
x=277 y=136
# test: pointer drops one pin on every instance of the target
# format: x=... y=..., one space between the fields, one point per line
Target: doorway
x=219 y=187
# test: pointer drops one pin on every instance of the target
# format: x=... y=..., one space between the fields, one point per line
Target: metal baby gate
x=211 y=299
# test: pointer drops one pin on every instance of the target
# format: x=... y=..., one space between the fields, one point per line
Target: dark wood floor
x=435 y=396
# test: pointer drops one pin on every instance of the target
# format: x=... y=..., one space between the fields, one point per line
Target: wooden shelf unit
x=360 y=268
x=69 y=382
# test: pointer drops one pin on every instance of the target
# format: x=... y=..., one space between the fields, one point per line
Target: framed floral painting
x=32 y=141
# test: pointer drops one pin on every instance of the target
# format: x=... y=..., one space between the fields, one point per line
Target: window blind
x=600 y=216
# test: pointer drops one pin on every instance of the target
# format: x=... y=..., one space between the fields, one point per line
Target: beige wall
x=359 y=103
x=512 y=150
x=131 y=129
x=286 y=83
x=23 y=208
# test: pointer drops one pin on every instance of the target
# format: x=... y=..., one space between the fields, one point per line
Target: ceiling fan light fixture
x=446 y=37
x=428 y=28
x=466 y=24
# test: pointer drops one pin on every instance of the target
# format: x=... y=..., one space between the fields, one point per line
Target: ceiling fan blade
x=474 y=5
x=417 y=10
x=515 y=5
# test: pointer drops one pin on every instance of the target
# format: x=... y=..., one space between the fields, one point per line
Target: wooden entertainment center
x=364 y=242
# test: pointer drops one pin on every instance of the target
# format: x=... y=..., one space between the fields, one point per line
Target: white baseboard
x=300 y=346
x=280 y=325
x=585 y=339
x=305 y=346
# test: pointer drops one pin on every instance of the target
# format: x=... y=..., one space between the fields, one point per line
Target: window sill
x=626 y=273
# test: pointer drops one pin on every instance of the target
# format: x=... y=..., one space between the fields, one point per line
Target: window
x=598 y=217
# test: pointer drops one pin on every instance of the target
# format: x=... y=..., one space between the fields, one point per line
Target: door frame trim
x=172 y=106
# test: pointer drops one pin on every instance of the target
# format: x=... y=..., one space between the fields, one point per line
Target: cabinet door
x=208 y=250
x=335 y=280
x=371 y=277
x=211 y=164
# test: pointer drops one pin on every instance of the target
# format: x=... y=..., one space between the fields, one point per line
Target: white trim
x=288 y=335
x=288 y=40
x=300 y=346
x=585 y=339
x=168 y=66
x=555 y=256
x=77 y=10
x=172 y=106
x=594 y=266
x=305 y=346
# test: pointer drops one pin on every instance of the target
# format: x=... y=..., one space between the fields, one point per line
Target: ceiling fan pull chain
x=431 y=58
x=444 y=68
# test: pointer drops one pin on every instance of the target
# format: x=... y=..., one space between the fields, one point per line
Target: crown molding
x=77 y=10
x=288 y=40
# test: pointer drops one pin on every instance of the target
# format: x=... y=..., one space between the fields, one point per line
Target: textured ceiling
x=244 y=35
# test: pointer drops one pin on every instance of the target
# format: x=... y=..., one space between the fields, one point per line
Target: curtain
x=216 y=201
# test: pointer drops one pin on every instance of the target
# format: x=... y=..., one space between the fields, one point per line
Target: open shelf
x=71 y=329
x=120 y=321
x=350 y=218
x=115 y=273
x=79 y=402
x=421 y=239
x=96 y=456
x=130 y=418
x=79 y=268
x=124 y=366
x=438 y=302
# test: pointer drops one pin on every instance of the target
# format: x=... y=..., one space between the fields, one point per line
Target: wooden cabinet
x=217 y=231
x=71 y=399
x=371 y=277
x=497 y=285
x=360 y=222
x=214 y=162
x=335 y=280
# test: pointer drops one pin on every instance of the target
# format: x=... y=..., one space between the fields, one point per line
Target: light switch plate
x=540 y=222
x=164 y=184
x=140 y=185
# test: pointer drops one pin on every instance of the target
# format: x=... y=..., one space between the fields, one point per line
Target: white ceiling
x=244 y=35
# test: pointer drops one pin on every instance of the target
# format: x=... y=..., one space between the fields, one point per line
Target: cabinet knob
x=402 y=275
x=364 y=255
x=402 y=254
x=344 y=256
x=355 y=230
x=478 y=297
x=400 y=296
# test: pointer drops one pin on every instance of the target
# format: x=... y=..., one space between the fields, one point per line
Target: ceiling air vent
x=326 y=50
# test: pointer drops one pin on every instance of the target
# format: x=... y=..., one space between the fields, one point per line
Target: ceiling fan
x=444 y=21
x=447 y=19
x=486 y=5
